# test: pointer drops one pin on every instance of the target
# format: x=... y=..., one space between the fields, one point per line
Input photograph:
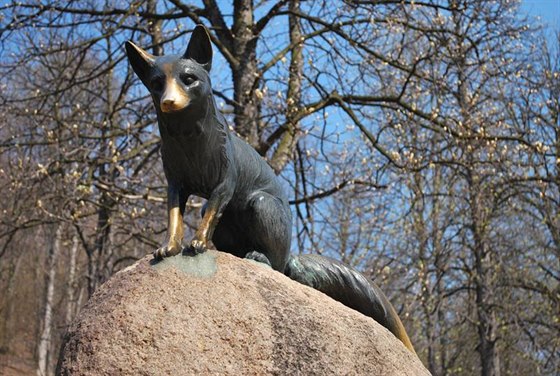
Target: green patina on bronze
x=202 y=265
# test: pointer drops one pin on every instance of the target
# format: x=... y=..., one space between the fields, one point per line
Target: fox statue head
x=176 y=82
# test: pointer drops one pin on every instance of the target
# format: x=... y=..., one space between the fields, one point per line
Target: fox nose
x=168 y=103
x=174 y=98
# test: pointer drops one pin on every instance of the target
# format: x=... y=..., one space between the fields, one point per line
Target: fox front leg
x=172 y=245
x=214 y=209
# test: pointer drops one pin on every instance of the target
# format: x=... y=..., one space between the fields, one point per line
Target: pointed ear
x=200 y=48
x=142 y=62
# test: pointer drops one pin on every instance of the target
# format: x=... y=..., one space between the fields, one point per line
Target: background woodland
x=419 y=141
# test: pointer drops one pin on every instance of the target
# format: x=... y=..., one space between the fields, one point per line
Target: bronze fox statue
x=247 y=212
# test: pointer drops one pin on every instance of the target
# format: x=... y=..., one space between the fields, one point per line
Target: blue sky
x=547 y=10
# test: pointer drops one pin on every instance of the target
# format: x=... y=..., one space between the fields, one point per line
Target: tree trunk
x=484 y=266
x=247 y=103
x=487 y=328
x=7 y=330
x=287 y=143
x=154 y=28
x=97 y=258
x=45 y=340
x=71 y=303
x=100 y=268
x=487 y=324
x=478 y=197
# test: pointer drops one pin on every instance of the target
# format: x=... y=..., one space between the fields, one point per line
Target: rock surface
x=217 y=314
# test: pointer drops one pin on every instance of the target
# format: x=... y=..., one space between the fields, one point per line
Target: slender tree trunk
x=10 y=303
x=247 y=109
x=554 y=220
x=71 y=286
x=96 y=261
x=45 y=340
x=287 y=143
x=487 y=323
x=421 y=233
x=484 y=265
x=439 y=259
x=100 y=268
x=154 y=28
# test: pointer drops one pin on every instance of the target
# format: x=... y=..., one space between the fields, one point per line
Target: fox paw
x=198 y=246
x=257 y=256
x=166 y=251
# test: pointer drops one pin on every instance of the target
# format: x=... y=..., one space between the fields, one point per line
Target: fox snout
x=174 y=97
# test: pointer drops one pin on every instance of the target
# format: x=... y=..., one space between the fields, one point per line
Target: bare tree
x=398 y=126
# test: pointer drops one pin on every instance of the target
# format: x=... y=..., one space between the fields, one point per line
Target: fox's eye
x=157 y=85
x=188 y=79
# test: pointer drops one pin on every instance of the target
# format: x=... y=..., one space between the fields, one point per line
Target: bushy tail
x=349 y=287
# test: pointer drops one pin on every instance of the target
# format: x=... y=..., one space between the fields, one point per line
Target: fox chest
x=197 y=169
